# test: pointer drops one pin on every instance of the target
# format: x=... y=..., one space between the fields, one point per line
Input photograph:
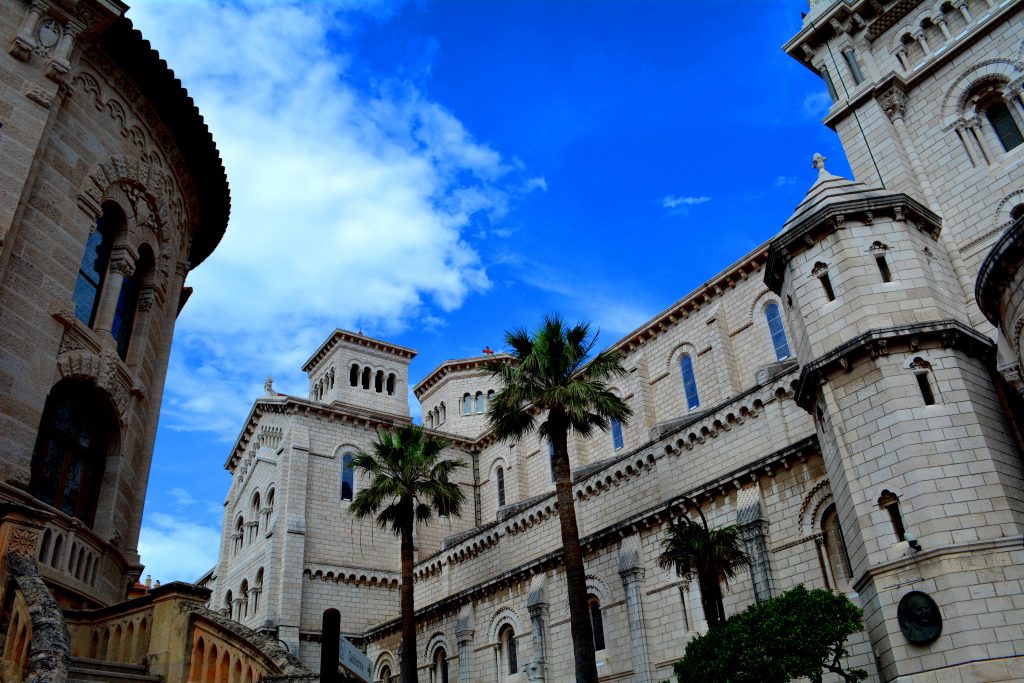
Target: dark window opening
x=617 y=440
x=597 y=621
x=93 y=269
x=353 y=376
x=499 y=476
x=347 y=477
x=926 y=388
x=1009 y=134
x=890 y=502
x=826 y=284
x=366 y=378
x=883 y=268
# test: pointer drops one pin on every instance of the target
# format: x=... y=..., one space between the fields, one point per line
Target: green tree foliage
x=408 y=483
x=713 y=555
x=800 y=633
x=554 y=384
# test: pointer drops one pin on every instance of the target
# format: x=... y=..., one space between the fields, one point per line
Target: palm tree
x=550 y=386
x=713 y=555
x=409 y=481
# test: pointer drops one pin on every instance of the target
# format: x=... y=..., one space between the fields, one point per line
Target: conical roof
x=830 y=189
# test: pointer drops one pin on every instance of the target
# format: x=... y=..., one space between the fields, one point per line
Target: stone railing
x=35 y=639
x=120 y=633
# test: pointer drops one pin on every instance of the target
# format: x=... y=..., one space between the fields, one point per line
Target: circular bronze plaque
x=919 y=618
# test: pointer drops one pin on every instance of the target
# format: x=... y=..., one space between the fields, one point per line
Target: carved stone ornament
x=919 y=618
x=23 y=541
x=38 y=95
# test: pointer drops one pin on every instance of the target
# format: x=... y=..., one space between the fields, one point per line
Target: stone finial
x=268 y=386
x=818 y=162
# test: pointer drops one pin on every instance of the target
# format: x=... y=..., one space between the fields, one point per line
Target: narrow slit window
x=499 y=476
x=890 y=502
x=926 y=388
x=617 y=440
x=597 y=622
x=347 y=477
x=551 y=459
x=883 y=268
x=826 y=284
x=689 y=382
x=778 y=332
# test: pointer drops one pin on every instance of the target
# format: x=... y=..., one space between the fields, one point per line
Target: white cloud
x=784 y=180
x=175 y=549
x=816 y=104
x=352 y=205
x=182 y=498
x=673 y=201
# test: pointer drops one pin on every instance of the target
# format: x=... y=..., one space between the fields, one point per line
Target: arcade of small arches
x=382 y=382
x=246 y=602
x=476 y=403
x=260 y=512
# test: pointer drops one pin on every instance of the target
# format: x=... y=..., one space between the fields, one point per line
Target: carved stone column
x=752 y=527
x=631 y=571
x=962 y=6
x=537 y=606
x=122 y=265
x=464 y=639
x=23 y=43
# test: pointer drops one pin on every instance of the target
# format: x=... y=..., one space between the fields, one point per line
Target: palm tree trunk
x=710 y=599
x=409 y=673
x=575 y=573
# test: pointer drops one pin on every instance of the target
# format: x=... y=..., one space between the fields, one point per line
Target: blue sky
x=435 y=173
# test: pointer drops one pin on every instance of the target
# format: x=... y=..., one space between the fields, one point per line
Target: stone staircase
x=84 y=670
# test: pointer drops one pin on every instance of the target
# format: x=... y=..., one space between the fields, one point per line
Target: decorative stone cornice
x=881 y=342
x=359 y=339
x=836 y=216
x=450 y=366
x=1004 y=260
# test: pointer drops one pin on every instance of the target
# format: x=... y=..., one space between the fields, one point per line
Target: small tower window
x=467 y=404
x=93 y=268
x=480 y=406
x=353 y=375
x=998 y=114
x=347 y=477
x=391 y=384
x=378 y=382
x=778 y=332
x=551 y=458
x=507 y=641
x=890 y=502
x=922 y=369
x=883 y=268
x=820 y=271
x=442 y=414
x=366 y=377
x=617 y=441
x=689 y=382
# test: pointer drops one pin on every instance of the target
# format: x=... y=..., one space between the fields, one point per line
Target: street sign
x=352 y=660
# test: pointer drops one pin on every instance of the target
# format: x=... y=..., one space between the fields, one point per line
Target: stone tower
x=877 y=279
x=360 y=371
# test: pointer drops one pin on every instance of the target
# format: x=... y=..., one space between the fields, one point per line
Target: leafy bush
x=799 y=633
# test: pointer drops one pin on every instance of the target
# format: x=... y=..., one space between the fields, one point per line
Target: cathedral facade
x=848 y=393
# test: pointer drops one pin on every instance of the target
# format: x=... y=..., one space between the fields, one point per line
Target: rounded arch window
x=835 y=548
x=509 y=649
x=93 y=269
x=77 y=432
x=439 y=674
x=778 y=332
x=348 y=473
x=385 y=674
x=689 y=381
x=596 y=620
x=128 y=300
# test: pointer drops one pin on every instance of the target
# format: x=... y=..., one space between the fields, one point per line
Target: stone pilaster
x=631 y=570
x=537 y=606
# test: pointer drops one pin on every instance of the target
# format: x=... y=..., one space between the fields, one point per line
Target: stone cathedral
x=849 y=394
x=846 y=393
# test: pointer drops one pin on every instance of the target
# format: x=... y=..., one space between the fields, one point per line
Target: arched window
x=257 y=588
x=835 y=548
x=467 y=404
x=228 y=604
x=617 y=440
x=440 y=672
x=347 y=477
x=890 y=502
x=239 y=531
x=353 y=375
x=256 y=516
x=366 y=377
x=378 y=382
x=778 y=332
x=75 y=435
x=922 y=370
x=385 y=674
x=490 y=397
x=430 y=420
x=509 y=649
x=128 y=301
x=443 y=415
x=999 y=116
x=689 y=382
x=480 y=407
x=270 y=503
x=244 y=592
x=499 y=478
x=391 y=384
x=596 y=621
x=95 y=260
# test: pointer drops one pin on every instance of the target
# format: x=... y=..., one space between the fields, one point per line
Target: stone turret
x=356 y=370
x=898 y=383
